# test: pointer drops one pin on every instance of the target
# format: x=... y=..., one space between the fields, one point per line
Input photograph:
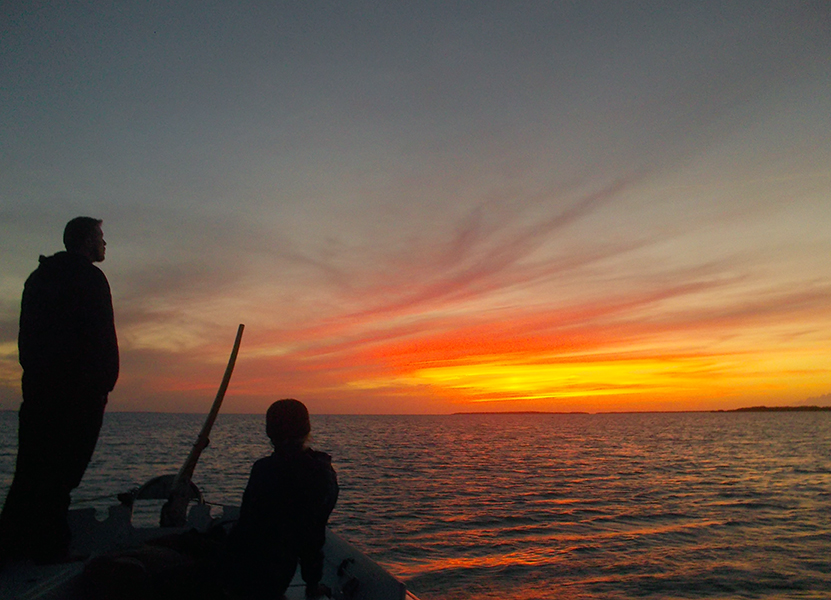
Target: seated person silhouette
x=284 y=512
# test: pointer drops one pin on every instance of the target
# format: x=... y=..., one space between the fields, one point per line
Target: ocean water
x=519 y=507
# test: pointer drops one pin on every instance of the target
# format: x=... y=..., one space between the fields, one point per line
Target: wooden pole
x=174 y=511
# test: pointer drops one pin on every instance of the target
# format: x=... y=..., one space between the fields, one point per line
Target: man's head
x=83 y=235
x=287 y=420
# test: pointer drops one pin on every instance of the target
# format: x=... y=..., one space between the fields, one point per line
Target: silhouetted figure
x=284 y=511
x=69 y=354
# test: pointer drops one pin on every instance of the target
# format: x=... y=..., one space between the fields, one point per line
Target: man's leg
x=75 y=437
x=56 y=439
x=28 y=514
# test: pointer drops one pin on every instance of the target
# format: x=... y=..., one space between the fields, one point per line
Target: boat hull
x=350 y=574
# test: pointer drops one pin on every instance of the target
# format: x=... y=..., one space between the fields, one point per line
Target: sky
x=432 y=207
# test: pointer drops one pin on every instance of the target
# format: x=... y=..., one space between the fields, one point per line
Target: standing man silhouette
x=69 y=354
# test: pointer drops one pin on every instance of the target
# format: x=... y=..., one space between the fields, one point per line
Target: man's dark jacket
x=67 y=333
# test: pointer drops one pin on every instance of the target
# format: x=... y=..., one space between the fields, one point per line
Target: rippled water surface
x=695 y=505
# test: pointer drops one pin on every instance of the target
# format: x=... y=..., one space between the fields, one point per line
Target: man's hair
x=78 y=231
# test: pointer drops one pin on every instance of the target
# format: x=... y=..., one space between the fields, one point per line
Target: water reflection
x=539 y=506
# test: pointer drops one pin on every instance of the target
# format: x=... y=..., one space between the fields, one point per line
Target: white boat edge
x=348 y=572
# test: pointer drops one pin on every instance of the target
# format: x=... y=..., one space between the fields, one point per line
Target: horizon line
x=760 y=408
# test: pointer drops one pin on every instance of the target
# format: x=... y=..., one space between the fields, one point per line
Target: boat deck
x=349 y=573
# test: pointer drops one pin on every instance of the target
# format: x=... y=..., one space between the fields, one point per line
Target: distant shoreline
x=778 y=409
x=638 y=412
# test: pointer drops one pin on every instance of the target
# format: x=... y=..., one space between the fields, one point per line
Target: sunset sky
x=430 y=207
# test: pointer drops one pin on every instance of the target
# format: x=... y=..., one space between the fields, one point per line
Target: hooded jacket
x=67 y=331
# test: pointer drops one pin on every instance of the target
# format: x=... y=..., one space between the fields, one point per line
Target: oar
x=174 y=511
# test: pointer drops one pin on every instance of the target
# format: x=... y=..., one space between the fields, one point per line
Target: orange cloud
x=634 y=352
